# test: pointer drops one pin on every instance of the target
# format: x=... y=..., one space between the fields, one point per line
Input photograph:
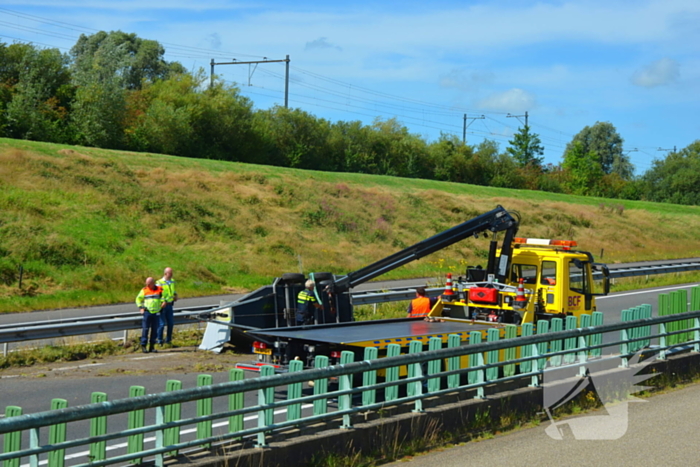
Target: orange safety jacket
x=150 y=299
x=420 y=307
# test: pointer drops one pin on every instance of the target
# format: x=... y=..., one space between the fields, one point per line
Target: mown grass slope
x=88 y=225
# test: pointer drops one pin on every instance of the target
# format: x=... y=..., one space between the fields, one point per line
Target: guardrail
x=437 y=372
x=620 y=271
x=89 y=325
x=616 y=272
x=127 y=321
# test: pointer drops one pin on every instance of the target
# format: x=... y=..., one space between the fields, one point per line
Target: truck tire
x=293 y=278
x=322 y=276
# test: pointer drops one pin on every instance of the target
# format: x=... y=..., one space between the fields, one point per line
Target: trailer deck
x=378 y=333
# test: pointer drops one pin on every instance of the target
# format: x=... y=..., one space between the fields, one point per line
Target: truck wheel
x=322 y=276
x=293 y=278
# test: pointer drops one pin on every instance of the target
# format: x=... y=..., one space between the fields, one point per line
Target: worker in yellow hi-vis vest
x=167 y=319
x=306 y=302
x=150 y=302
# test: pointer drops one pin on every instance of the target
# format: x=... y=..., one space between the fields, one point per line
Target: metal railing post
x=369 y=378
x=415 y=370
x=294 y=391
x=345 y=383
x=160 y=434
x=534 y=379
x=34 y=443
x=57 y=434
x=662 y=342
x=476 y=360
x=266 y=396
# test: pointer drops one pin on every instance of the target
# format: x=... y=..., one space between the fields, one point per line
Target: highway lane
x=120 y=308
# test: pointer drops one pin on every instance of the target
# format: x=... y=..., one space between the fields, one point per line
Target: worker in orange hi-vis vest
x=421 y=305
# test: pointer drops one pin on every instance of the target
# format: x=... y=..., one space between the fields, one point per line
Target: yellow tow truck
x=555 y=280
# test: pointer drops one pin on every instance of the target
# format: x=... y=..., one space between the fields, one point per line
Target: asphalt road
x=67 y=313
x=661 y=431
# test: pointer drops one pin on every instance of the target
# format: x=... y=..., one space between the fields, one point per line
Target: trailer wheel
x=322 y=276
x=293 y=278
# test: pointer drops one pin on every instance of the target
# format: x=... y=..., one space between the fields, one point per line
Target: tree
x=399 y=153
x=675 y=179
x=296 y=138
x=525 y=147
x=105 y=66
x=41 y=96
x=134 y=61
x=177 y=116
x=583 y=169
x=455 y=161
x=347 y=145
x=604 y=140
x=450 y=159
x=98 y=113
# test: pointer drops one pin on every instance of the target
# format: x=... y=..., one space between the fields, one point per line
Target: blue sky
x=568 y=64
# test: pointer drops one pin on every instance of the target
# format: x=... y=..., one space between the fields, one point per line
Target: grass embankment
x=87 y=225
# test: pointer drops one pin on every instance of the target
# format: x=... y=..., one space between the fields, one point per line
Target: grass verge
x=73 y=352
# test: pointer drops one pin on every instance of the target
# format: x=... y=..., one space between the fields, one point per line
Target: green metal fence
x=438 y=371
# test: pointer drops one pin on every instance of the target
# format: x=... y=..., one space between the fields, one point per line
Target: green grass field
x=86 y=226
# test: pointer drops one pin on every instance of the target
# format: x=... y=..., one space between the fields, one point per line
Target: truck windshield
x=526 y=271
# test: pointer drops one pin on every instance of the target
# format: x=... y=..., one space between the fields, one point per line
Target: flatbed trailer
x=277 y=346
x=379 y=333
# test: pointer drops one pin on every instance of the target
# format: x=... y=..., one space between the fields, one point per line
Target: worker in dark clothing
x=421 y=305
x=306 y=302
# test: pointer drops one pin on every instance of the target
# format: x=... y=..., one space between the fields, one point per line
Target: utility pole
x=265 y=60
x=465 y=126
x=667 y=150
x=519 y=116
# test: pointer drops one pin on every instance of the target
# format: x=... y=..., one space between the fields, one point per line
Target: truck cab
x=546 y=279
x=559 y=278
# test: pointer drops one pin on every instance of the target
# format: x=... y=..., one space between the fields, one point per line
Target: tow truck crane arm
x=497 y=220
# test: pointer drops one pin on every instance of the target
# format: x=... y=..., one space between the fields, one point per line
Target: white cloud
x=512 y=100
x=466 y=80
x=658 y=73
x=321 y=43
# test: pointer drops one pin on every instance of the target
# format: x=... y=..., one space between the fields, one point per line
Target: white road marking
x=154 y=356
x=76 y=367
x=153 y=439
